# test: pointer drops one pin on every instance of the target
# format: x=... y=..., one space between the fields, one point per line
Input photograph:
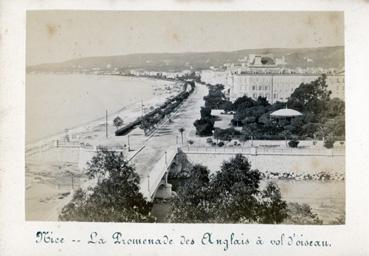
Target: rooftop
x=286 y=112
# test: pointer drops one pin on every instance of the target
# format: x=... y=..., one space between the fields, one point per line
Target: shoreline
x=50 y=170
x=129 y=110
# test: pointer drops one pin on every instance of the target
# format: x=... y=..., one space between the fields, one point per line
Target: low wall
x=264 y=151
x=298 y=164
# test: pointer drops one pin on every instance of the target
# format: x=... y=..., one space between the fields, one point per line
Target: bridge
x=155 y=182
x=153 y=161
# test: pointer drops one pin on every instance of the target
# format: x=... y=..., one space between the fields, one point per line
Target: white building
x=273 y=86
x=279 y=87
x=336 y=84
x=214 y=77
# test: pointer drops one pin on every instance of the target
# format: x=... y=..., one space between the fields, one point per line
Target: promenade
x=166 y=137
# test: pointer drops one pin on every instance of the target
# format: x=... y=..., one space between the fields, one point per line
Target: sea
x=55 y=102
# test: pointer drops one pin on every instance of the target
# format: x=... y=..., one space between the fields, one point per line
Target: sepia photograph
x=234 y=117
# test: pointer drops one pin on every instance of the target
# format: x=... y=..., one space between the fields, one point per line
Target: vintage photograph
x=185 y=117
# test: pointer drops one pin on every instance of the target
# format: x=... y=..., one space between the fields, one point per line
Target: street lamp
x=129 y=146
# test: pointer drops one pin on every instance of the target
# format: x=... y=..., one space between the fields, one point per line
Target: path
x=167 y=136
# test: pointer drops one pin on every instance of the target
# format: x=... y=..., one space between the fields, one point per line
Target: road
x=167 y=136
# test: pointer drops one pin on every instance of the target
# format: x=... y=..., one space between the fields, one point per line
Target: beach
x=55 y=102
x=52 y=171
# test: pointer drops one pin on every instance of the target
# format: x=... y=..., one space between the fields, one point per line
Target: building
x=336 y=84
x=214 y=77
x=275 y=86
x=279 y=87
x=263 y=75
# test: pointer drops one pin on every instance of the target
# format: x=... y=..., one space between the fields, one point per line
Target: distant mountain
x=324 y=57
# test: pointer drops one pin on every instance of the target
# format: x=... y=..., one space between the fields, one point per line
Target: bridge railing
x=151 y=182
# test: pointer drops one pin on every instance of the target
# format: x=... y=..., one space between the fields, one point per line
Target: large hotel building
x=263 y=76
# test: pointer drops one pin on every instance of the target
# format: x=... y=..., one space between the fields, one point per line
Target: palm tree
x=249 y=133
x=181 y=130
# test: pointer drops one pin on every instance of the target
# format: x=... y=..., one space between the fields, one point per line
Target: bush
x=226 y=134
x=118 y=121
x=221 y=144
x=205 y=112
x=301 y=214
x=329 y=142
x=293 y=143
x=204 y=127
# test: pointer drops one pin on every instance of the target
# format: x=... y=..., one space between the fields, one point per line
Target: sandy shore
x=53 y=172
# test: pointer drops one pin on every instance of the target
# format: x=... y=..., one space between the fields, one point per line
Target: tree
x=311 y=97
x=286 y=134
x=181 y=131
x=215 y=98
x=274 y=209
x=262 y=101
x=204 y=127
x=192 y=203
x=205 y=112
x=234 y=189
x=243 y=138
x=118 y=122
x=238 y=198
x=249 y=132
x=245 y=101
x=335 y=107
x=115 y=198
x=232 y=195
x=148 y=123
x=227 y=106
x=335 y=126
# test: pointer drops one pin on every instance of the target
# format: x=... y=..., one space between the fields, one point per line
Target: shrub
x=329 y=142
x=205 y=112
x=221 y=144
x=293 y=143
x=118 y=121
x=204 y=127
x=226 y=134
x=301 y=214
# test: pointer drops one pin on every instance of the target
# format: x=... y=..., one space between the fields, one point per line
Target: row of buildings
x=161 y=74
x=263 y=76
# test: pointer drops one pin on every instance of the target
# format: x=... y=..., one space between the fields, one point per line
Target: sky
x=55 y=36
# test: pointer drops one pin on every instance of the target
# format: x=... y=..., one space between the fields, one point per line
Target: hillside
x=325 y=57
